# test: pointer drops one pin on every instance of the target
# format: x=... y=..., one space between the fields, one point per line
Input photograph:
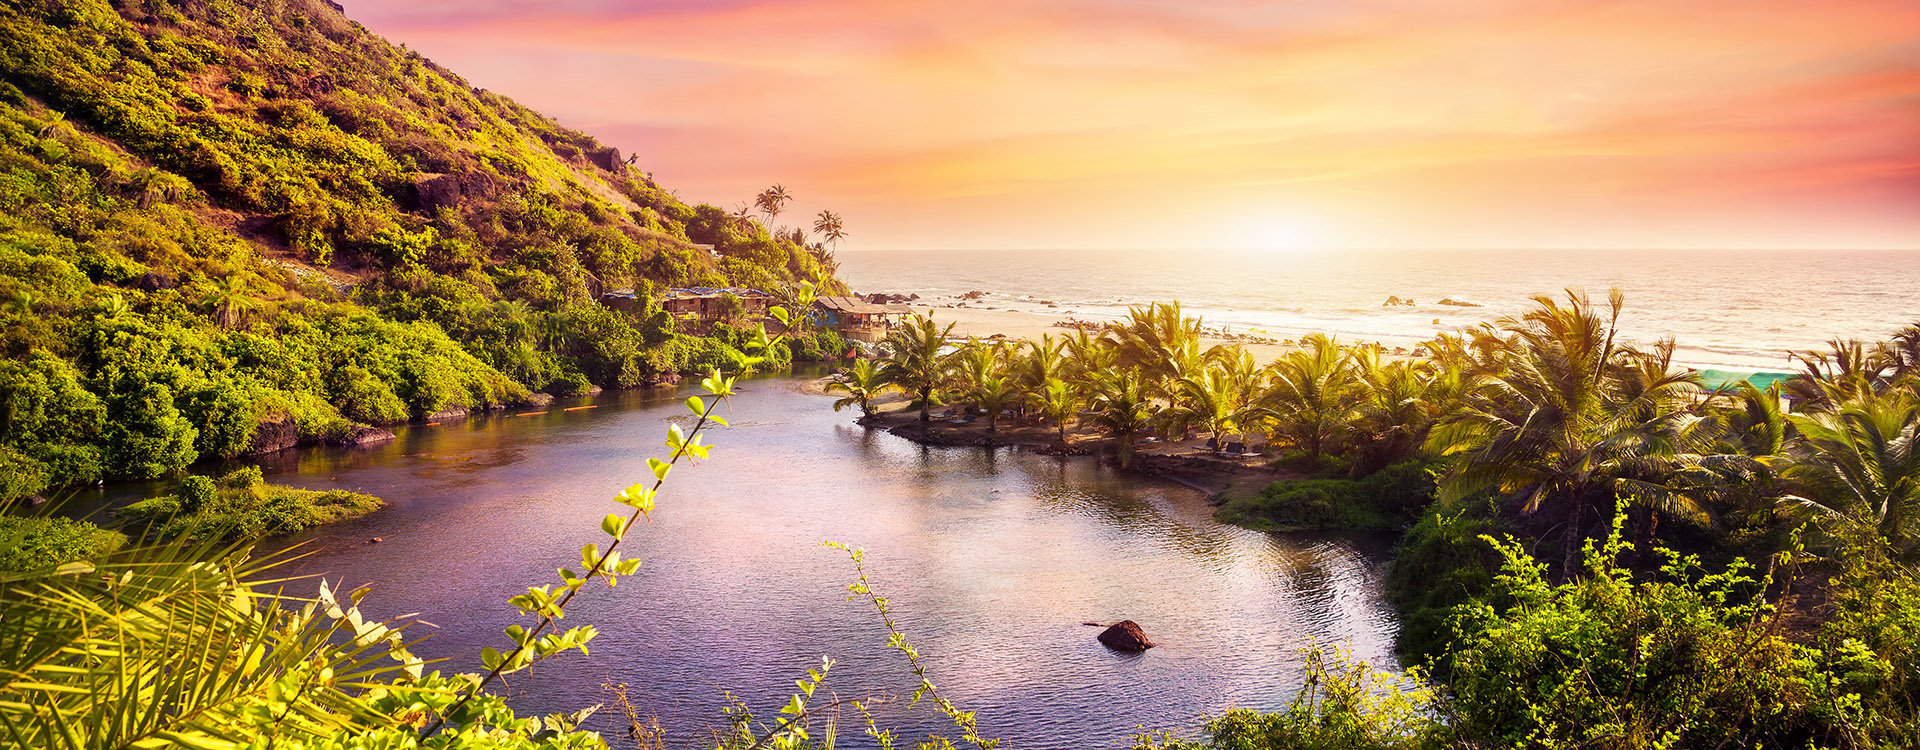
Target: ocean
x=1740 y=310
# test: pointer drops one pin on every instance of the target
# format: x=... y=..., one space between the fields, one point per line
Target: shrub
x=241 y=508
x=1387 y=499
x=31 y=543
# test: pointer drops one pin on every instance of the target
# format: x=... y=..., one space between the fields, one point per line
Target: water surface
x=993 y=559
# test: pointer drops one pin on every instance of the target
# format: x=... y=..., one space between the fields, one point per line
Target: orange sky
x=1188 y=123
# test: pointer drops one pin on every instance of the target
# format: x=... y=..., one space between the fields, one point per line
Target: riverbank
x=1191 y=463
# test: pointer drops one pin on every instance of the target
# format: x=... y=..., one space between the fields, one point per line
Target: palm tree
x=1086 y=355
x=862 y=383
x=1122 y=407
x=1564 y=427
x=1160 y=341
x=1847 y=371
x=743 y=218
x=1058 y=401
x=228 y=302
x=1859 y=467
x=981 y=372
x=771 y=202
x=1401 y=402
x=993 y=394
x=152 y=185
x=1313 y=396
x=830 y=228
x=914 y=361
x=1219 y=400
x=113 y=306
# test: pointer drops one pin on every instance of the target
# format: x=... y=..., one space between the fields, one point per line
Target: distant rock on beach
x=1451 y=302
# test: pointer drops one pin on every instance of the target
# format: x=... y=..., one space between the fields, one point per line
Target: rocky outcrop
x=539 y=400
x=975 y=294
x=432 y=191
x=274 y=435
x=153 y=282
x=1126 y=635
x=607 y=158
x=449 y=414
x=1394 y=301
x=883 y=298
x=1451 y=302
x=363 y=435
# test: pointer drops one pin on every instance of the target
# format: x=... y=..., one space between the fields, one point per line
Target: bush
x=1441 y=563
x=33 y=543
x=196 y=494
x=1387 y=499
x=1691 y=659
x=1342 y=706
x=243 y=509
x=569 y=384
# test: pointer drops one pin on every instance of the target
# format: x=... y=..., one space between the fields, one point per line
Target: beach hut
x=856 y=319
x=709 y=303
x=624 y=300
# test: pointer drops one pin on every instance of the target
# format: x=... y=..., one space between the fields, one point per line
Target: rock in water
x=1125 y=635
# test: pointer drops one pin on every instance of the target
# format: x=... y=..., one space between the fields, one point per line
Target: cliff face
x=219 y=218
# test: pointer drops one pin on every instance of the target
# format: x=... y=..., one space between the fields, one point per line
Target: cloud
x=1005 y=121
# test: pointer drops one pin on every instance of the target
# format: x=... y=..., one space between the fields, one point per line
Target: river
x=992 y=559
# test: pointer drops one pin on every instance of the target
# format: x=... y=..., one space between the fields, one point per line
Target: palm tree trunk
x=1573 y=538
x=926 y=396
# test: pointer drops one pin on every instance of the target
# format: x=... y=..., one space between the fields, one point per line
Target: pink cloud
x=1003 y=121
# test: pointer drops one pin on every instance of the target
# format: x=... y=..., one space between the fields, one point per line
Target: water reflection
x=993 y=559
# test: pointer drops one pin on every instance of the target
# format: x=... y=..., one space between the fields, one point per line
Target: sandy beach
x=1014 y=324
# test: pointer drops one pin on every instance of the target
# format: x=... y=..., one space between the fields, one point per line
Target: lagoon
x=992 y=558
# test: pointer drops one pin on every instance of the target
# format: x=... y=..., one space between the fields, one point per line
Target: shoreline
x=1188 y=463
x=1021 y=325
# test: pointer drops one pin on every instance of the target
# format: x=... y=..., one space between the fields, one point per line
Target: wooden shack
x=707 y=304
x=856 y=318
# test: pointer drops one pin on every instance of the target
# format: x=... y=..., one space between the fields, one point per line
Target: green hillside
x=227 y=226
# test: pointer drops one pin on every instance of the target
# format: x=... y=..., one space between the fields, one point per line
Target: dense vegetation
x=239 y=506
x=1545 y=472
x=227 y=227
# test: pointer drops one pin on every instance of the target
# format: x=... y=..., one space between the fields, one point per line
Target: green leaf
x=660 y=468
x=615 y=525
x=696 y=405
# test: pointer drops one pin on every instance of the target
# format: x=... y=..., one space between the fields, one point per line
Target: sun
x=1277 y=232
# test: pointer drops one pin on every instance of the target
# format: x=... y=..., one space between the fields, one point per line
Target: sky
x=1237 y=123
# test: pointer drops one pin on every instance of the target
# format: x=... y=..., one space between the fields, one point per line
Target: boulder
x=1451 y=302
x=361 y=434
x=1125 y=635
x=274 y=435
x=607 y=158
x=448 y=414
x=538 y=400
x=153 y=282
x=432 y=191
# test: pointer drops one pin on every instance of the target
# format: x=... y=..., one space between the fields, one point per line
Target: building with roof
x=855 y=318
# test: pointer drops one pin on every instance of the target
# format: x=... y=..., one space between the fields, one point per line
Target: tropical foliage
x=227 y=228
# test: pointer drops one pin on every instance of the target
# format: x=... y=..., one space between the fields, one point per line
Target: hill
x=226 y=227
